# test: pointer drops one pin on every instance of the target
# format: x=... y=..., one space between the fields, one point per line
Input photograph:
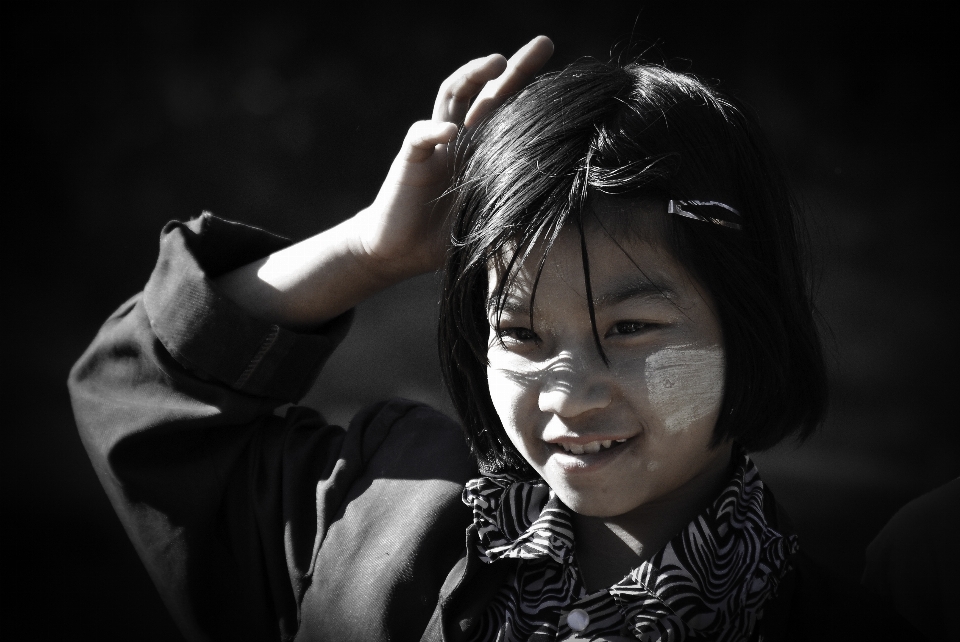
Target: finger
x=423 y=136
x=520 y=70
x=459 y=88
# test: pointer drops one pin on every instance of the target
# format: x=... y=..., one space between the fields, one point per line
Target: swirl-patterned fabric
x=710 y=582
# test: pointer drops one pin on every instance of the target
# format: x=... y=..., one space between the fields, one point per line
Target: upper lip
x=581 y=440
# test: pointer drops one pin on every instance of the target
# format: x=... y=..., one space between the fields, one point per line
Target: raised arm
x=226 y=500
x=403 y=233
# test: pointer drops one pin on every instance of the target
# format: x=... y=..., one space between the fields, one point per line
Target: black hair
x=639 y=132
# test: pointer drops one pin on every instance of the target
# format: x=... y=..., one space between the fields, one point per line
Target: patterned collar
x=710 y=582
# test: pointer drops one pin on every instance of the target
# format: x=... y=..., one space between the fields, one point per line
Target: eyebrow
x=510 y=304
x=637 y=289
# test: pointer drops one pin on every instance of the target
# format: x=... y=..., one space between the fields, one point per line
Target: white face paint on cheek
x=685 y=384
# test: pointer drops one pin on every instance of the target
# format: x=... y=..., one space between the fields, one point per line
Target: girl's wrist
x=384 y=270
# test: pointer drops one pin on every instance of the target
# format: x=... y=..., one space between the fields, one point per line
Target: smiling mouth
x=590 y=447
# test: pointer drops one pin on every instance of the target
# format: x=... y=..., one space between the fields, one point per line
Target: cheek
x=685 y=386
x=514 y=397
x=505 y=395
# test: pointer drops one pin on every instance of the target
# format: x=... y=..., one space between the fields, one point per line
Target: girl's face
x=610 y=438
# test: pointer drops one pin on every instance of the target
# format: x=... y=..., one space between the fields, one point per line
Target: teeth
x=590 y=448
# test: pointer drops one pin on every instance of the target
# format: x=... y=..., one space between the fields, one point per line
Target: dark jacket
x=264 y=525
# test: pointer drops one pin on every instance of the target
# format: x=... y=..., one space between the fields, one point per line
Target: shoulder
x=400 y=436
x=815 y=604
x=923 y=526
x=399 y=529
x=914 y=560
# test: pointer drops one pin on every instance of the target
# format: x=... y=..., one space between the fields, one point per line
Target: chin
x=589 y=505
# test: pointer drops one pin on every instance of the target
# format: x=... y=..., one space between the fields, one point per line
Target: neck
x=610 y=547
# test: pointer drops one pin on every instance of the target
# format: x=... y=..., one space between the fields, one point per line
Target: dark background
x=117 y=118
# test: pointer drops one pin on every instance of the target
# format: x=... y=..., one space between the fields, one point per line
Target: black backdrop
x=120 y=117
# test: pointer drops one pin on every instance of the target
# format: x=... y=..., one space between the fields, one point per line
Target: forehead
x=622 y=248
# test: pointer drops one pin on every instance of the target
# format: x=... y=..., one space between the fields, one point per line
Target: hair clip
x=686 y=208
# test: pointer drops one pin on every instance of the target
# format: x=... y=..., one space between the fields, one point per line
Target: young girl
x=624 y=315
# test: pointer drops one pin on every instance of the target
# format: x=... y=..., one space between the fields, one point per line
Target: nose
x=572 y=386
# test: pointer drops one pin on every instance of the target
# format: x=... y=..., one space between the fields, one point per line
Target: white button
x=578 y=619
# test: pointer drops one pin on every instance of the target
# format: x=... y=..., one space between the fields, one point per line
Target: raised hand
x=404 y=229
x=403 y=233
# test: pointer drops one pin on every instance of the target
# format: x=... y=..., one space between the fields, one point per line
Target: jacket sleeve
x=225 y=499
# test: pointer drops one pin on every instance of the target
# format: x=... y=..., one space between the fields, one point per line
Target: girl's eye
x=517 y=335
x=628 y=327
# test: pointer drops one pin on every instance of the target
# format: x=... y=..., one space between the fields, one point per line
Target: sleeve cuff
x=212 y=336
